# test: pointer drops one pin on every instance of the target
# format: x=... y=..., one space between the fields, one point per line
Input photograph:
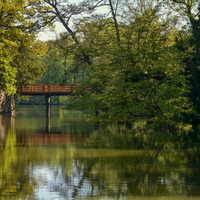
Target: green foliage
x=20 y=52
x=28 y=60
x=7 y=46
x=190 y=40
x=7 y=74
x=140 y=76
x=55 y=66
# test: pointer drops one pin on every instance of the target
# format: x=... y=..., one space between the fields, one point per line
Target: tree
x=145 y=78
x=132 y=65
x=8 y=14
x=20 y=50
x=131 y=61
x=189 y=14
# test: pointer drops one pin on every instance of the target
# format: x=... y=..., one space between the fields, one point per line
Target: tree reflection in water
x=89 y=174
x=13 y=181
x=112 y=161
x=81 y=182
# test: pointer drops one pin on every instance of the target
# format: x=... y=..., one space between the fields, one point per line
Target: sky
x=47 y=34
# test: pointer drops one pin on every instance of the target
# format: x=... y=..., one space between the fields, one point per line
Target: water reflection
x=48 y=123
x=6 y=122
x=82 y=160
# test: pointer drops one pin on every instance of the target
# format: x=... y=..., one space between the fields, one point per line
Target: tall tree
x=143 y=75
x=188 y=12
x=8 y=14
x=20 y=50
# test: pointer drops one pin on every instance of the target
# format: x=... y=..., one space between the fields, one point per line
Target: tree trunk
x=6 y=103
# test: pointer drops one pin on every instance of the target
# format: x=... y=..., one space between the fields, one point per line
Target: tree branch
x=115 y=20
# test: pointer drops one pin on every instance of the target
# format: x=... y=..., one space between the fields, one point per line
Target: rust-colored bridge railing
x=49 y=89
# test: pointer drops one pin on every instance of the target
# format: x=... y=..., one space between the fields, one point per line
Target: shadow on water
x=66 y=157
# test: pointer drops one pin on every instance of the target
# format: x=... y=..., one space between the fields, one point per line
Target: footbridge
x=49 y=90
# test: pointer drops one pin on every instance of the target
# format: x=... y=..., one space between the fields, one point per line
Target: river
x=69 y=157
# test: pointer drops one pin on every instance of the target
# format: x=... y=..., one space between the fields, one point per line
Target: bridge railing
x=49 y=88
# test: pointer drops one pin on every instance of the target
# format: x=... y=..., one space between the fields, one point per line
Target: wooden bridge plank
x=51 y=89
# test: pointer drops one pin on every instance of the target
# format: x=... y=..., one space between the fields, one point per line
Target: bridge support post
x=47 y=101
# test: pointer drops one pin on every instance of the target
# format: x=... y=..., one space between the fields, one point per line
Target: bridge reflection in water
x=38 y=139
x=7 y=122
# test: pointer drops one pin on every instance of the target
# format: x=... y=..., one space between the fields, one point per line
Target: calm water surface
x=67 y=157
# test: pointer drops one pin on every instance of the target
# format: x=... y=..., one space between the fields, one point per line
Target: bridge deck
x=50 y=89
